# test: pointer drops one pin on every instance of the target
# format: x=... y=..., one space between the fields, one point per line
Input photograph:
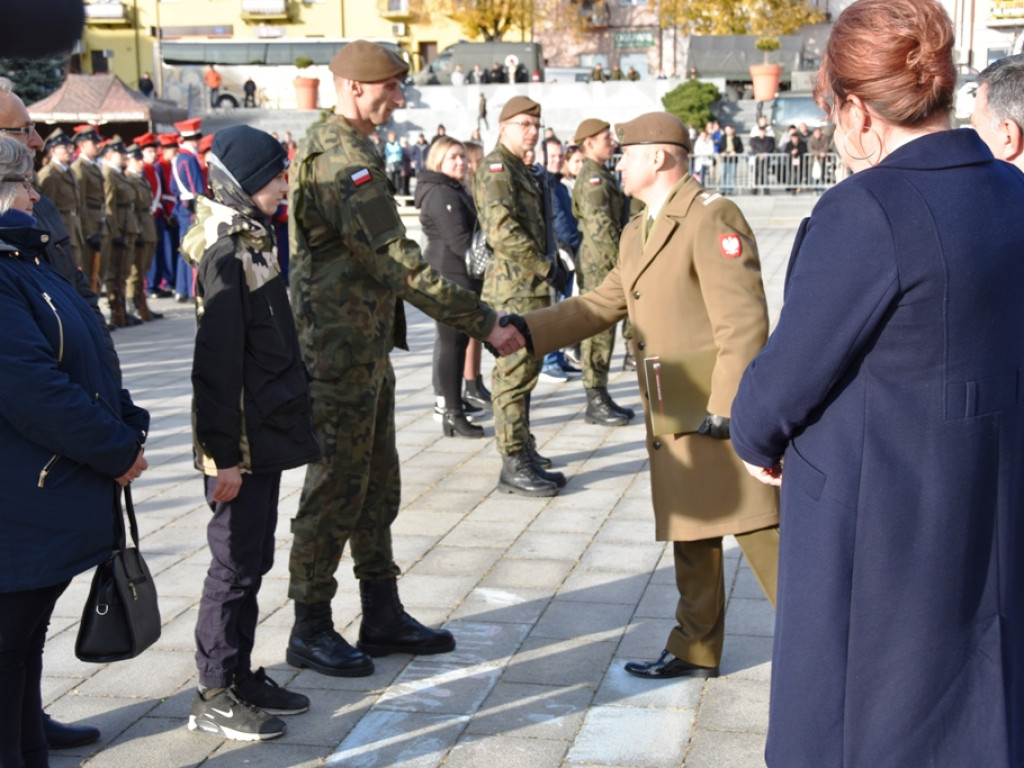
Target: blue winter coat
x=66 y=428
x=894 y=387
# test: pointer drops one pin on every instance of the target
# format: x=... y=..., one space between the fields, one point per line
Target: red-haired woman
x=890 y=399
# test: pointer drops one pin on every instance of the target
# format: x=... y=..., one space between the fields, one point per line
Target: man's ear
x=1013 y=145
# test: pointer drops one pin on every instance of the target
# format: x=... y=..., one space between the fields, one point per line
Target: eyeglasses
x=27 y=130
x=526 y=125
x=25 y=181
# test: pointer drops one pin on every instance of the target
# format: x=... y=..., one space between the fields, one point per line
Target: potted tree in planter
x=766 y=76
x=305 y=87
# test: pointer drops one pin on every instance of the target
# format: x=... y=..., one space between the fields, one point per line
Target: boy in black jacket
x=252 y=419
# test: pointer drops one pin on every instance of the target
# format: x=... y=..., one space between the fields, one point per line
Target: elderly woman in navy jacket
x=893 y=388
x=69 y=435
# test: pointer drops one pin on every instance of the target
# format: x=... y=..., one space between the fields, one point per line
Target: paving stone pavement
x=547 y=597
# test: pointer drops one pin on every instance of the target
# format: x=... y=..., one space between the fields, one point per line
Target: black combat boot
x=541 y=463
x=475 y=393
x=314 y=643
x=601 y=410
x=629 y=361
x=520 y=475
x=387 y=628
x=454 y=423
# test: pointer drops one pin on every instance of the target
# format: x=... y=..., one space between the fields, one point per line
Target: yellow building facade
x=123 y=37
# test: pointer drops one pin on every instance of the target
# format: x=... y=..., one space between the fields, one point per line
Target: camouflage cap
x=367 y=62
x=589 y=127
x=654 y=128
x=519 y=105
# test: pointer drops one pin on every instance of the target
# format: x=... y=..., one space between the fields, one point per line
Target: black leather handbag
x=121 y=617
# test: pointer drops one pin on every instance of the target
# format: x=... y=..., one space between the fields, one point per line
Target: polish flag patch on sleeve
x=360 y=177
x=496 y=167
x=595 y=181
x=731 y=245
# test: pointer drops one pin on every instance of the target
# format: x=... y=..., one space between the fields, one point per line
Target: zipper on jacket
x=60 y=326
x=47 y=469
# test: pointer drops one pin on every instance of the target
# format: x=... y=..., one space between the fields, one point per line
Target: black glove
x=520 y=325
x=172 y=222
x=558 y=277
x=120 y=242
x=190 y=205
x=715 y=426
x=139 y=242
x=94 y=242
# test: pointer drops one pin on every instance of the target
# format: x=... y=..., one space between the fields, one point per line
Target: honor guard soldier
x=121 y=230
x=510 y=204
x=187 y=182
x=93 y=204
x=352 y=266
x=599 y=206
x=58 y=183
x=144 y=245
x=689 y=277
x=161 y=277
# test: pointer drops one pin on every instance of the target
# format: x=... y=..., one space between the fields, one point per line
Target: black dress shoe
x=61 y=736
x=667 y=666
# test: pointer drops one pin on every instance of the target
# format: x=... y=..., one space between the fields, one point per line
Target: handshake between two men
x=509 y=334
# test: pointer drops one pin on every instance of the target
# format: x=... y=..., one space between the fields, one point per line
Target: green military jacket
x=90 y=188
x=60 y=185
x=119 y=204
x=511 y=211
x=143 y=206
x=597 y=204
x=351 y=263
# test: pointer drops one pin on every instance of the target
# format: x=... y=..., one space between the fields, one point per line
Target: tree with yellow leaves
x=766 y=18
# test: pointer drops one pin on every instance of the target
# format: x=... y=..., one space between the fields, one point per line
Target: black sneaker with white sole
x=228 y=716
x=258 y=689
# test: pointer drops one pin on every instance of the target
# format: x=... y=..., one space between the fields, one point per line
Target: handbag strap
x=133 y=525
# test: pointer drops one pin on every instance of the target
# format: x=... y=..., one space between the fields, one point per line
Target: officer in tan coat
x=58 y=183
x=689 y=279
x=88 y=174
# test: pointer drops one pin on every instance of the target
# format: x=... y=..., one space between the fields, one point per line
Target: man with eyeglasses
x=15 y=123
x=510 y=204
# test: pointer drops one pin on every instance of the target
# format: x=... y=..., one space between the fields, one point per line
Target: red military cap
x=206 y=143
x=189 y=129
x=146 y=140
x=168 y=139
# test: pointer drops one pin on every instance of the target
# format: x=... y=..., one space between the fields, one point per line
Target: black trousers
x=24 y=617
x=449 y=360
x=241 y=539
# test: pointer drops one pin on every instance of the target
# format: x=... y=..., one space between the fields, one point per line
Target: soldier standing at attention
x=351 y=268
x=86 y=169
x=187 y=181
x=510 y=204
x=144 y=244
x=121 y=230
x=58 y=183
x=599 y=206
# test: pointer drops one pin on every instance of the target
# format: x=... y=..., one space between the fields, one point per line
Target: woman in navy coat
x=68 y=436
x=890 y=398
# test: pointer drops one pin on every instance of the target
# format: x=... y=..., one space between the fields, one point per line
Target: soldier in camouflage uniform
x=510 y=204
x=599 y=206
x=90 y=186
x=351 y=268
x=58 y=183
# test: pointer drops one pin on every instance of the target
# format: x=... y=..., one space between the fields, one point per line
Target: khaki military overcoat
x=695 y=284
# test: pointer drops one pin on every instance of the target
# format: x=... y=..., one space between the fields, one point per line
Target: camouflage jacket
x=251 y=406
x=351 y=263
x=597 y=203
x=510 y=206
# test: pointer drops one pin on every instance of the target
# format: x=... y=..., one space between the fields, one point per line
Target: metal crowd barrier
x=778 y=172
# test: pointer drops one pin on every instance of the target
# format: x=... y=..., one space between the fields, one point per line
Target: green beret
x=654 y=128
x=519 y=105
x=367 y=62
x=589 y=127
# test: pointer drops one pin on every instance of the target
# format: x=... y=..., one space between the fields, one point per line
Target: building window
x=632 y=2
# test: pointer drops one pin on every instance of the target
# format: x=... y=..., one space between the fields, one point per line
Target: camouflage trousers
x=352 y=494
x=514 y=378
x=596 y=350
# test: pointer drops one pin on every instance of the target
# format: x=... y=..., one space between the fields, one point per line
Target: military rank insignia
x=731 y=245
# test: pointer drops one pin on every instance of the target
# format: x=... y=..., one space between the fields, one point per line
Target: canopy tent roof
x=102 y=99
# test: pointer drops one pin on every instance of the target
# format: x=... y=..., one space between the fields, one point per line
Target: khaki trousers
x=700 y=613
